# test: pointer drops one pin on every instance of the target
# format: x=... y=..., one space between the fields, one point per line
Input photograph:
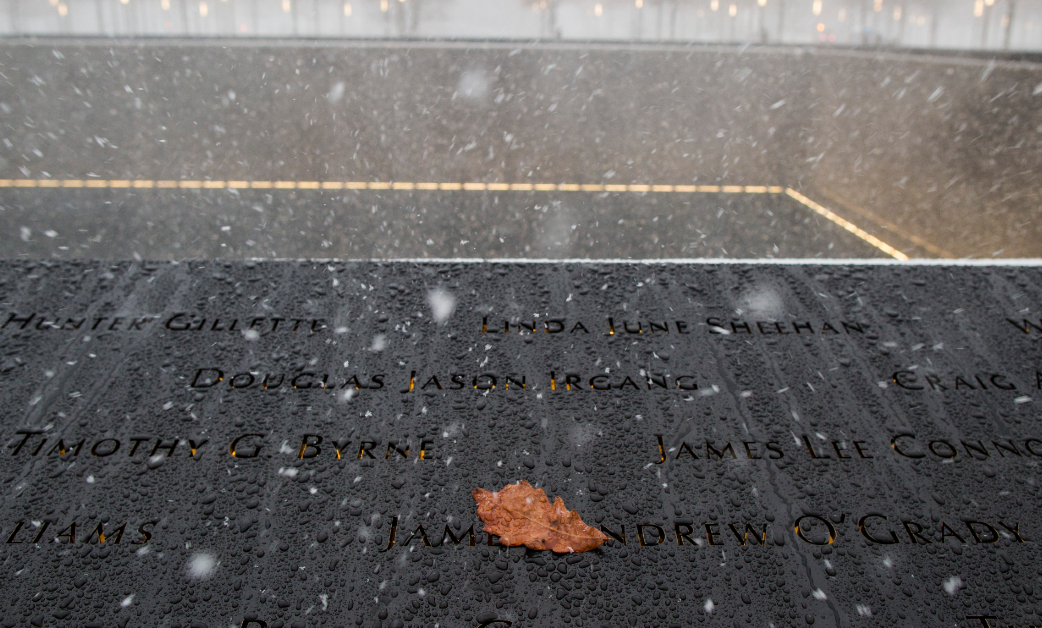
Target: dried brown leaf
x=522 y=515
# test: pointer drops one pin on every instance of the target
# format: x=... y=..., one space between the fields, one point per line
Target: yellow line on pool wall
x=474 y=186
x=846 y=224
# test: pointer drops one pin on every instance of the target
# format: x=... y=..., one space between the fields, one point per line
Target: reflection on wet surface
x=936 y=157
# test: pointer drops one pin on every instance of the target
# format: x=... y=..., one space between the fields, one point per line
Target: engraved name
x=811 y=529
x=180 y=322
x=713 y=325
x=905 y=445
x=35 y=532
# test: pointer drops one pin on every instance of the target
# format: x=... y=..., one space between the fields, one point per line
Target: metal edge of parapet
x=851 y=262
x=740 y=48
x=1022 y=262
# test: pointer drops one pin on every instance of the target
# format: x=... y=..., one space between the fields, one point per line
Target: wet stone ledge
x=286 y=444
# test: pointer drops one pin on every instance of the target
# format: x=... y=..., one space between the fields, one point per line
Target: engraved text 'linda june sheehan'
x=548 y=326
